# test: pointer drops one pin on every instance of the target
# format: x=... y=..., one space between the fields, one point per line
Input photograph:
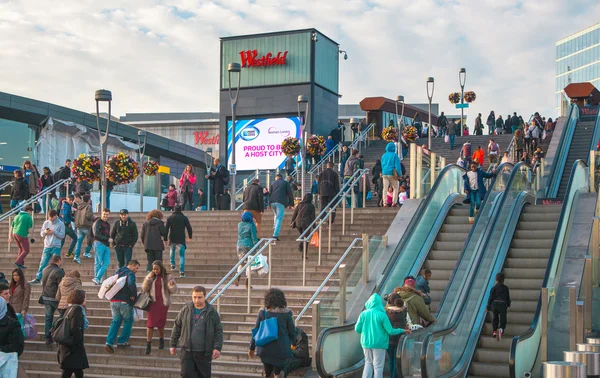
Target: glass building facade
x=577 y=60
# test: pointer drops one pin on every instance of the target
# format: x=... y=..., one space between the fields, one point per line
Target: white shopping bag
x=106 y=285
x=258 y=262
x=138 y=314
x=116 y=288
x=264 y=270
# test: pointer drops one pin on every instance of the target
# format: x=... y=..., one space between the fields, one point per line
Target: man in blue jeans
x=53 y=232
x=281 y=196
x=52 y=276
x=84 y=217
x=121 y=308
x=177 y=223
x=102 y=241
x=475 y=188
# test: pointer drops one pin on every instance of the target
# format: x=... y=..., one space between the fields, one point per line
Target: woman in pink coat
x=186 y=185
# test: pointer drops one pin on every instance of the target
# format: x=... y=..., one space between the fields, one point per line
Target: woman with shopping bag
x=247 y=239
x=273 y=335
x=20 y=292
x=304 y=215
x=159 y=286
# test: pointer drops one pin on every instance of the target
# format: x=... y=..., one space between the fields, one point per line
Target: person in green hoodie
x=19 y=232
x=375 y=330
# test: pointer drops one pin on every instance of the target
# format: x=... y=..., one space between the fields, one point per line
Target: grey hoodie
x=54 y=240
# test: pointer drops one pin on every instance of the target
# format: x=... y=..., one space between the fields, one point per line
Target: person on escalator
x=415 y=302
x=396 y=312
x=498 y=304
x=475 y=188
x=375 y=330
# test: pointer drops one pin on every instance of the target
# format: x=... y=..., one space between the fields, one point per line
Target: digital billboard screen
x=258 y=141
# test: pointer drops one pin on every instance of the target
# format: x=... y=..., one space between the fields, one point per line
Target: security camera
x=345 y=56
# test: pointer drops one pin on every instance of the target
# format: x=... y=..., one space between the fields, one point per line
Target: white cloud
x=163 y=55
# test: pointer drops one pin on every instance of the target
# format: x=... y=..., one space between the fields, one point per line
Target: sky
x=163 y=55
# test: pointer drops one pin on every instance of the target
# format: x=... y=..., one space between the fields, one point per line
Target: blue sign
x=462 y=106
x=8 y=168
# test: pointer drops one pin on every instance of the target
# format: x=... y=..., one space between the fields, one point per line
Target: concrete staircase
x=445 y=252
x=579 y=149
x=524 y=268
x=208 y=258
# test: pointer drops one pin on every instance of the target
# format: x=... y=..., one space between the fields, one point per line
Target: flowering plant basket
x=409 y=133
x=470 y=96
x=315 y=145
x=454 y=98
x=121 y=169
x=389 y=134
x=86 y=168
x=150 y=168
x=290 y=146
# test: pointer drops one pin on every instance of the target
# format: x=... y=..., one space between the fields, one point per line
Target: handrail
x=552 y=266
x=239 y=273
x=320 y=288
x=33 y=199
x=5 y=185
x=459 y=312
x=250 y=252
x=324 y=159
x=447 y=172
x=363 y=133
x=562 y=152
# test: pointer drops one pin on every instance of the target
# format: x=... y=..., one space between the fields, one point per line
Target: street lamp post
x=103 y=95
x=399 y=99
x=462 y=79
x=209 y=151
x=233 y=68
x=429 y=97
x=142 y=136
x=303 y=99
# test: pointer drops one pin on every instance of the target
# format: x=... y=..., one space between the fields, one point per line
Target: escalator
x=448 y=237
x=579 y=149
x=524 y=271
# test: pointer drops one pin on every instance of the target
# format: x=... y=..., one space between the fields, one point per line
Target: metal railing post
x=270 y=266
x=592 y=168
x=219 y=304
x=249 y=276
x=47 y=205
x=419 y=175
x=433 y=165
x=443 y=162
x=316 y=329
x=343 y=284
x=580 y=320
x=544 y=337
x=344 y=215
x=595 y=250
x=364 y=192
x=303 y=263
x=365 y=258
x=352 y=203
x=572 y=319
x=10 y=231
x=413 y=169
x=587 y=277
x=68 y=184
x=320 y=242
x=329 y=230
x=384 y=240
x=268 y=178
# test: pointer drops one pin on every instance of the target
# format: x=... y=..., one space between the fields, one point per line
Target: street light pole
x=303 y=99
x=103 y=95
x=462 y=79
x=401 y=100
x=209 y=151
x=429 y=97
x=233 y=68
x=142 y=136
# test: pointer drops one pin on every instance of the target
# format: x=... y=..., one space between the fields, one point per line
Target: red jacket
x=172 y=198
x=191 y=179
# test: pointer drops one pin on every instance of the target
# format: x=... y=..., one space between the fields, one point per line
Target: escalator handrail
x=405 y=237
x=463 y=299
x=562 y=152
x=564 y=215
x=596 y=135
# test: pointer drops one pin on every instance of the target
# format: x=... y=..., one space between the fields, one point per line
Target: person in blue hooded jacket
x=475 y=188
x=375 y=330
x=389 y=162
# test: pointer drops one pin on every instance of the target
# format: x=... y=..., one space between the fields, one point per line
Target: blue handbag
x=267 y=332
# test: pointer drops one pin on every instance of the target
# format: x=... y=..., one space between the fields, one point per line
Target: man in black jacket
x=198 y=326
x=177 y=223
x=51 y=277
x=329 y=186
x=220 y=176
x=63 y=174
x=254 y=202
x=281 y=196
x=124 y=235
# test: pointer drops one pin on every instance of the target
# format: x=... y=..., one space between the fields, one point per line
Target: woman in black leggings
x=186 y=185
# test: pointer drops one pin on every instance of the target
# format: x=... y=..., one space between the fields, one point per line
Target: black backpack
x=56 y=175
x=301 y=352
x=61 y=329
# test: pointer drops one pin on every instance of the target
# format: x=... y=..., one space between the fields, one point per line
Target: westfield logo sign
x=250 y=58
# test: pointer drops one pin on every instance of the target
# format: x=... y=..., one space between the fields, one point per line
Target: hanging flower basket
x=86 y=168
x=470 y=96
x=389 y=134
x=454 y=98
x=150 y=168
x=290 y=146
x=410 y=134
x=315 y=145
x=121 y=169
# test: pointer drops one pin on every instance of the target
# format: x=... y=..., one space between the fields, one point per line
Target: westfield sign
x=250 y=58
